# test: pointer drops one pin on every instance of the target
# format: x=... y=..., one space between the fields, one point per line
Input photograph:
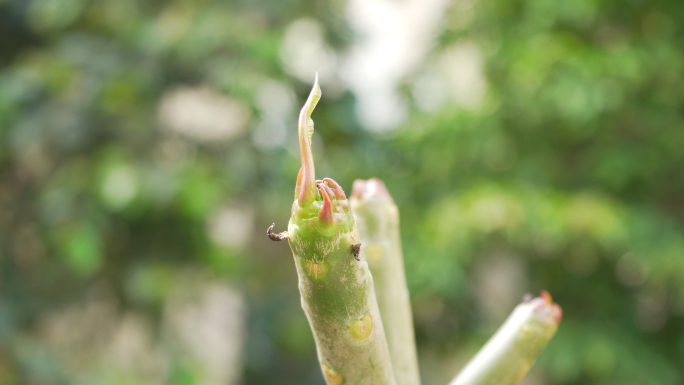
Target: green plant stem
x=378 y=220
x=336 y=290
x=510 y=353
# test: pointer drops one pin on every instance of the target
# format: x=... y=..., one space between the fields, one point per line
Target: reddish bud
x=325 y=214
x=339 y=192
x=557 y=312
x=545 y=309
x=370 y=188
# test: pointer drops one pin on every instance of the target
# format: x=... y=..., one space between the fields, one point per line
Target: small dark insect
x=357 y=249
x=277 y=237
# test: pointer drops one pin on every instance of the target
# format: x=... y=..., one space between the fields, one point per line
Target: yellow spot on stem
x=317 y=271
x=362 y=329
x=332 y=377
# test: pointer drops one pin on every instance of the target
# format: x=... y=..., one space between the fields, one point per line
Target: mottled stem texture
x=377 y=218
x=510 y=353
x=336 y=289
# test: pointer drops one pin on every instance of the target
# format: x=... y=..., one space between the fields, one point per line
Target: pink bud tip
x=370 y=188
x=339 y=192
x=358 y=188
x=557 y=313
x=325 y=214
x=545 y=309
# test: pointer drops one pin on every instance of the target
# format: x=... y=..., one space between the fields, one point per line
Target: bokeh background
x=145 y=146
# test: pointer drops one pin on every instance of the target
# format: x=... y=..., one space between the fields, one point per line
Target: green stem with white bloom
x=510 y=353
x=378 y=220
x=336 y=289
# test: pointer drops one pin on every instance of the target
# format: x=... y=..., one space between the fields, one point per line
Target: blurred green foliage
x=566 y=175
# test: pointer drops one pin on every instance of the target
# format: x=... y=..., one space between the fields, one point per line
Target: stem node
x=357 y=250
x=277 y=237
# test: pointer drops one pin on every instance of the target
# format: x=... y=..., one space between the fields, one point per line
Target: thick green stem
x=510 y=353
x=378 y=220
x=336 y=289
